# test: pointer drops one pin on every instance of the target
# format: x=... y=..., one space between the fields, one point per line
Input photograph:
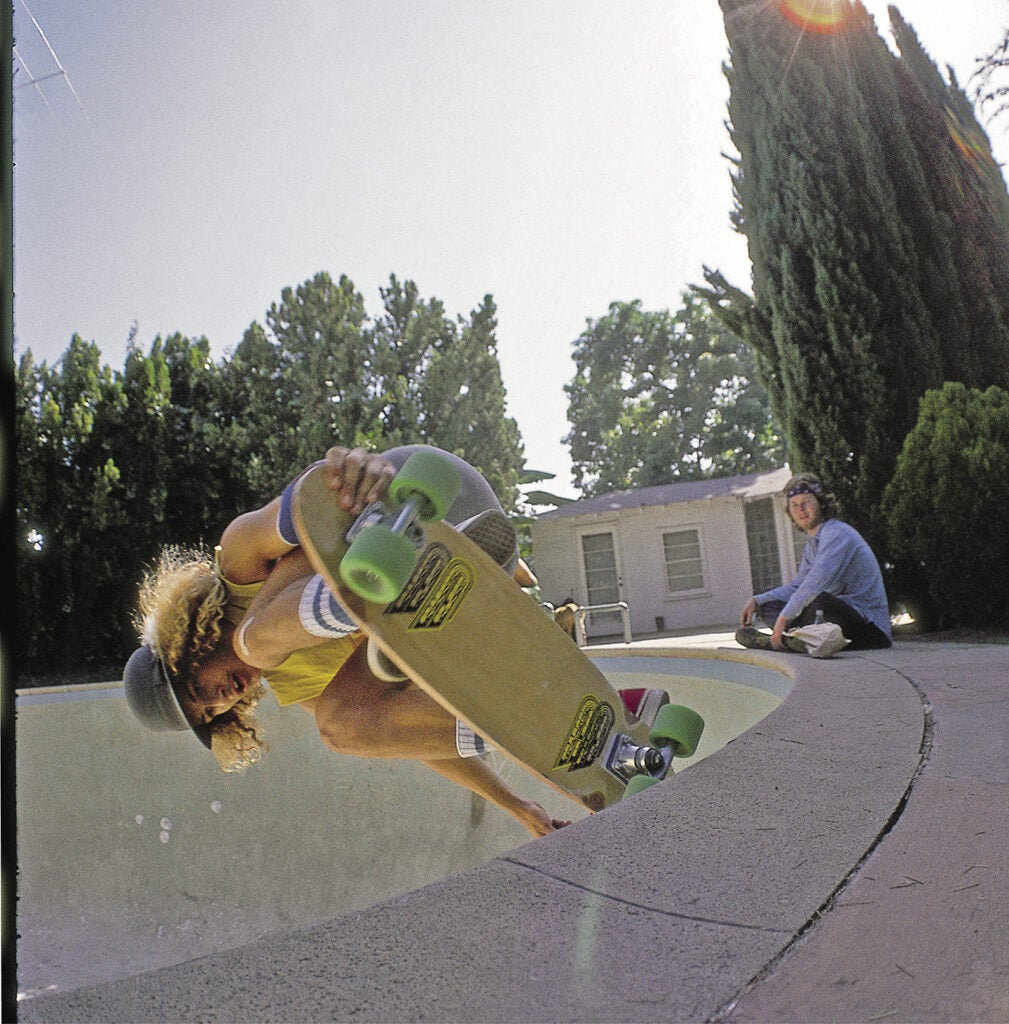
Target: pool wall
x=657 y=909
x=136 y=852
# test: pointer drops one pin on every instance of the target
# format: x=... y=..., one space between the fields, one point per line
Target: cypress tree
x=970 y=207
x=859 y=300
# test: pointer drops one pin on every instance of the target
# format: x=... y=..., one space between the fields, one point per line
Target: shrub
x=946 y=508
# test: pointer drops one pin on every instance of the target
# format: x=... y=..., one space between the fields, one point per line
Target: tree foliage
x=878 y=231
x=944 y=509
x=660 y=397
x=113 y=464
x=991 y=81
x=464 y=402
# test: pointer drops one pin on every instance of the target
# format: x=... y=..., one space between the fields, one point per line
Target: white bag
x=822 y=639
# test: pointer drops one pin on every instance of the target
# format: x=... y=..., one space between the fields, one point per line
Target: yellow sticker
x=445 y=596
x=587 y=735
x=430 y=565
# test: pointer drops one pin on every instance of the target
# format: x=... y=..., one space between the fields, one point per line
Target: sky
x=189 y=159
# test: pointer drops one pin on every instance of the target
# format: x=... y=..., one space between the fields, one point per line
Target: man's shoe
x=754 y=639
x=757 y=640
x=794 y=644
x=644 y=703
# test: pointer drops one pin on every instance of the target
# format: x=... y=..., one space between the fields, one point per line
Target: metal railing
x=584 y=609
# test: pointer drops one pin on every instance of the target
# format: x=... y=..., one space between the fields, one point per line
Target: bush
x=946 y=507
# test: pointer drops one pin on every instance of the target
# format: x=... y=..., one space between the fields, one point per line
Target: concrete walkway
x=843 y=860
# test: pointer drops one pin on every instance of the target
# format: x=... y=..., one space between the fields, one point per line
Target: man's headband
x=803 y=488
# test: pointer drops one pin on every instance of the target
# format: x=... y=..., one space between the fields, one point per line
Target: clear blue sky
x=558 y=154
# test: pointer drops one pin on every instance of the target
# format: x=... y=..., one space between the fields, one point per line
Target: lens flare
x=969 y=141
x=822 y=16
x=975 y=155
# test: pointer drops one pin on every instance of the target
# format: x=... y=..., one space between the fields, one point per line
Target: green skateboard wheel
x=677 y=724
x=378 y=563
x=638 y=783
x=430 y=477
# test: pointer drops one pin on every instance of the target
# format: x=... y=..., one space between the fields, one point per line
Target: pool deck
x=843 y=860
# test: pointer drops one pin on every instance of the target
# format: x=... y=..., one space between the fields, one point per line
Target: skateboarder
x=838 y=577
x=213 y=630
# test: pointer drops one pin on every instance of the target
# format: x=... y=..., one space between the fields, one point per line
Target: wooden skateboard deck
x=464 y=632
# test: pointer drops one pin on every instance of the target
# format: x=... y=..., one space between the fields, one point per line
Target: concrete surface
x=136 y=852
x=842 y=860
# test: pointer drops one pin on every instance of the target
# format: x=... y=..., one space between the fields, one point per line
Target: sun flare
x=822 y=16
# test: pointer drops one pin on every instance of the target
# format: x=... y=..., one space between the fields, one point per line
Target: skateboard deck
x=464 y=632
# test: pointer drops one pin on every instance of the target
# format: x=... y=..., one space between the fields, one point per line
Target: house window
x=762 y=542
x=684 y=565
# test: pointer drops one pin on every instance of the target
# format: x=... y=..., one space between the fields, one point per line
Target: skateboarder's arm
x=358 y=477
x=478 y=777
x=251 y=545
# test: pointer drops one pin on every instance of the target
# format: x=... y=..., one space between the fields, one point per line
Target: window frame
x=702 y=557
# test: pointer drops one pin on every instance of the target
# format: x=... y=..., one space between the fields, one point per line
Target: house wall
x=637 y=535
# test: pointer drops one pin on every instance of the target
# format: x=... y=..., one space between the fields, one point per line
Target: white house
x=682 y=556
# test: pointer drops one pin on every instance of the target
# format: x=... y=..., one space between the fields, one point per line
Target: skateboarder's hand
x=536 y=819
x=358 y=477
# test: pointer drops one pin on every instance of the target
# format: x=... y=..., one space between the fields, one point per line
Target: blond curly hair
x=179 y=615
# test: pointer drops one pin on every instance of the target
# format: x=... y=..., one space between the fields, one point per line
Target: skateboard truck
x=625 y=758
x=383 y=546
x=675 y=732
x=403 y=520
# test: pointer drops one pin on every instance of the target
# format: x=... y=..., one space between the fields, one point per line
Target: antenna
x=61 y=73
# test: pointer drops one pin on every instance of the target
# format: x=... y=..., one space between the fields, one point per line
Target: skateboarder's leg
x=363 y=715
x=368 y=717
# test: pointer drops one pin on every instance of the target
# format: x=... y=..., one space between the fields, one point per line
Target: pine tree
x=861 y=299
x=465 y=404
x=324 y=368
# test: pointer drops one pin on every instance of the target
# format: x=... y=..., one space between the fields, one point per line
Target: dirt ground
x=962 y=635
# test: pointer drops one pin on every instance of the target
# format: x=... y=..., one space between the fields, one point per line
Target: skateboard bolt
x=648 y=759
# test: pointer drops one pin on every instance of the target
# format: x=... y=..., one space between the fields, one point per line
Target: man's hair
x=809 y=483
x=179 y=615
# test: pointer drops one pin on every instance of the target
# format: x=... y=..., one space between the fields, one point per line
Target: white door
x=602 y=582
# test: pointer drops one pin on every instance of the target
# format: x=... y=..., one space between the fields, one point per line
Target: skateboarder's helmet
x=151 y=696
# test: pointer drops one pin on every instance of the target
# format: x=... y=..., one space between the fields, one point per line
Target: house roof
x=752 y=485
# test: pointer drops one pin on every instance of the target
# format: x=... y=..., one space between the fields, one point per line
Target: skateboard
x=459 y=626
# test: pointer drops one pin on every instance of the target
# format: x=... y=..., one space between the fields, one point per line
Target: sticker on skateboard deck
x=450 y=588
x=436 y=589
x=587 y=734
x=429 y=566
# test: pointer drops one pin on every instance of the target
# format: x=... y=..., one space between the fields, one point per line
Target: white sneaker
x=493 y=533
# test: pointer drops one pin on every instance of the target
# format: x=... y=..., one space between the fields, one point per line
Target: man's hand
x=778 y=633
x=358 y=477
x=747 y=615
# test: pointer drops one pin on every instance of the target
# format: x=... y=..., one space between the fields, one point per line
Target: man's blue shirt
x=839 y=561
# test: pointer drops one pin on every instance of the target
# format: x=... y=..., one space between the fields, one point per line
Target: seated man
x=213 y=630
x=838 y=576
